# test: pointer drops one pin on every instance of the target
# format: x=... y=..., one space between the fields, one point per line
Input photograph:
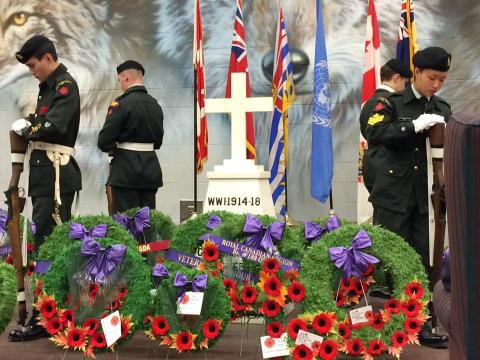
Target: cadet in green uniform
x=394 y=75
x=400 y=122
x=132 y=131
x=51 y=133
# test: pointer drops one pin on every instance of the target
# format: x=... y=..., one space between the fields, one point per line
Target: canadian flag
x=371 y=80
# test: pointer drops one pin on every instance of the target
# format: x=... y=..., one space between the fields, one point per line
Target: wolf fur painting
x=93 y=36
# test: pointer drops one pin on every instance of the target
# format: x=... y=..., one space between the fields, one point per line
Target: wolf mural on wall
x=93 y=36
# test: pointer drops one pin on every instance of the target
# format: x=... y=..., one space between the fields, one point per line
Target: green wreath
x=185 y=236
x=71 y=305
x=8 y=294
x=60 y=237
x=187 y=332
x=388 y=330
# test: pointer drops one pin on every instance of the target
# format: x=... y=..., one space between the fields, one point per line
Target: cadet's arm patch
x=375 y=119
x=112 y=106
x=62 y=88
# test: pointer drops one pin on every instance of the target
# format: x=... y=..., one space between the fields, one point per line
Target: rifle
x=436 y=136
x=108 y=187
x=18 y=148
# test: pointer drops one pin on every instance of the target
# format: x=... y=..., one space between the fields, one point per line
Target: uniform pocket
x=397 y=170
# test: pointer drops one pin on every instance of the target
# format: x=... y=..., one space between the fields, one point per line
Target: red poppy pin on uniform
x=63 y=90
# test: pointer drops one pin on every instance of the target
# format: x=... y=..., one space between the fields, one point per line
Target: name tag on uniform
x=404 y=119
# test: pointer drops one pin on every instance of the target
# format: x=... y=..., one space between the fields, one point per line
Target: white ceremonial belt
x=62 y=149
x=135 y=146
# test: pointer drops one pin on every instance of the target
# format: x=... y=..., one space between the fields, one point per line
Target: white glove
x=19 y=125
x=425 y=121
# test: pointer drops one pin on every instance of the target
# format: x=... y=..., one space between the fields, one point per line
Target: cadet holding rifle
x=51 y=133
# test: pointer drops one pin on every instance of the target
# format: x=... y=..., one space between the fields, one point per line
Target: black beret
x=31 y=47
x=130 y=64
x=434 y=58
x=400 y=68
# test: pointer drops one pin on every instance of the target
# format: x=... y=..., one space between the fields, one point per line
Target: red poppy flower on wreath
x=414 y=290
x=183 y=341
x=347 y=284
x=322 y=323
x=296 y=291
x=9 y=260
x=295 y=325
x=90 y=326
x=273 y=286
x=229 y=283
x=211 y=329
x=378 y=322
x=38 y=288
x=275 y=329
x=270 y=308
x=249 y=294
x=376 y=347
x=328 y=350
x=75 y=338
x=392 y=306
x=412 y=325
x=54 y=325
x=412 y=307
x=98 y=340
x=360 y=287
x=93 y=290
x=399 y=339
x=302 y=352
x=210 y=251
x=68 y=317
x=344 y=330
x=48 y=308
x=271 y=266
x=29 y=247
x=316 y=346
x=160 y=326
x=355 y=347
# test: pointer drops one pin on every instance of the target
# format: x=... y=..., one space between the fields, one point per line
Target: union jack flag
x=198 y=62
x=239 y=63
x=283 y=96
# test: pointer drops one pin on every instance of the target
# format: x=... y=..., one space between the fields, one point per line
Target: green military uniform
x=56 y=121
x=400 y=191
x=134 y=117
x=375 y=154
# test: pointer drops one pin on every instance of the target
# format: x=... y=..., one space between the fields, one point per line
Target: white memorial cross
x=238 y=105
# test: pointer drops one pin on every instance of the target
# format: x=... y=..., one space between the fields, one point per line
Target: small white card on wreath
x=112 y=328
x=357 y=316
x=190 y=303
x=272 y=347
x=307 y=338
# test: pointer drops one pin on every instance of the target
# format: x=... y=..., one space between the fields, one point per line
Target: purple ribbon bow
x=79 y=232
x=135 y=224
x=260 y=236
x=351 y=260
x=102 y=261
x=3 y=221
x=199 y=283
x=213 y=222
x=314 y=232
x=160 y=271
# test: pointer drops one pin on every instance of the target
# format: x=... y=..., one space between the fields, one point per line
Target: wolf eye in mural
x=93 y=36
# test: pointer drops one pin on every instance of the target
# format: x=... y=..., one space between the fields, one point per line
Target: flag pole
x=332 y=211
x=288 y=220
x=195 y=147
